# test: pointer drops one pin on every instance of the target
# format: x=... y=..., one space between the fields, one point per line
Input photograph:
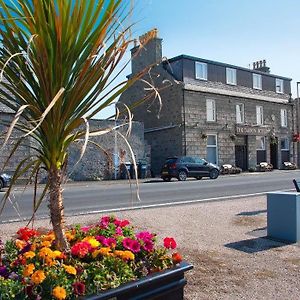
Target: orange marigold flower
x=46 y=244
x=50 y=262
x=70 y=236
x=38 y=277
x=49 y=237
x=176 y=258
x=128 y=255
x=105 y=251
x=56 y=254
x=28 y=270
x=59 y=293
x=69 y=269
x=20 y=244
x=45 y=252
x=29 y=254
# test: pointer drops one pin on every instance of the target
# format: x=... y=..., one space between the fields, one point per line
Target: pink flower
x=104 y=222
x=119 y=231
x=170 y=243
x=132 y=245
x=107 y=242
x=144 y=235
x=85 y=228
x=121 y=223
x=148 y=245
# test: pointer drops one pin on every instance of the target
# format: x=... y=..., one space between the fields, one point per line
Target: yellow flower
x=69 y=269
x=92 y=241
x=56 y=253
x=28 y=270
x=59 y=293
x=38 y=277
x=20 y=244
x=29 y=254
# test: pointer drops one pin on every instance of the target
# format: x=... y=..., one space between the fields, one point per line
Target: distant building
x=225 y=113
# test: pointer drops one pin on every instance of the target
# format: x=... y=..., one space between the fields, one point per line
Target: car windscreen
x=170 y=160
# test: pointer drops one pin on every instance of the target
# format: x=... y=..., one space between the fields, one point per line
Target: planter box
x=165 y=285
x=283 y=213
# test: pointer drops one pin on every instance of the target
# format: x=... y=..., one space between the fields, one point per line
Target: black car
x=4 y=180
x=187 y=166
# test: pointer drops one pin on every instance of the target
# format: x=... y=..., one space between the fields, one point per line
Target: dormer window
x=257 y=82
x=279 y=86
x=231 y=76
x=200 y=70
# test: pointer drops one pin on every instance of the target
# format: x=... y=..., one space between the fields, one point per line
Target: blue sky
x=237 y=32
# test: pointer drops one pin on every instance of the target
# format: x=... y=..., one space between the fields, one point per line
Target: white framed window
x=260 y=143
x=279 y=86
x=231 y=76
x=210 y=110
x=283 y=117
x=200 y=70
x=284 y=144
x=212 y=149
x=239 y=111
x=259 y=115
x=257 y=81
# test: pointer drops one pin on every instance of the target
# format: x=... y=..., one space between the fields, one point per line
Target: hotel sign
x=251 y=130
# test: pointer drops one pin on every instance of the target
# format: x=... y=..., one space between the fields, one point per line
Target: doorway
x=241 y=153
x=274 y=153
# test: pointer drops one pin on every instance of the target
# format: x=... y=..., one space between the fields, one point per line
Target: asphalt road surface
x=89 y=197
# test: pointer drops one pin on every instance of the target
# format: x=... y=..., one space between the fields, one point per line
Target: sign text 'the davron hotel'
x=251 y=130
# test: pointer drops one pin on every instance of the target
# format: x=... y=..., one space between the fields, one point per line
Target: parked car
x=4 y=180
x=187 y=166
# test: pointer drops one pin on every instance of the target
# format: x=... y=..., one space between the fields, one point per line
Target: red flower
x=177 y=258
x=79 y=288
x=121 y=223
x=26 y=233
x=170 y=243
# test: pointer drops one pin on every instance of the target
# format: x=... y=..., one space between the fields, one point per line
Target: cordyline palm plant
x=58 y=59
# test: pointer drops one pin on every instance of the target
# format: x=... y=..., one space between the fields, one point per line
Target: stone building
x=225 y=113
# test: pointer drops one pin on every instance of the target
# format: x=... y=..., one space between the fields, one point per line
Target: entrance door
x=241 y=157
x=274 y=154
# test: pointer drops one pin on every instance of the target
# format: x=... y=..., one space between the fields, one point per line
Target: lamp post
x=297 y=122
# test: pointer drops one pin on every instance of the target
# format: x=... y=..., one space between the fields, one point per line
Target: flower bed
x=101 y=257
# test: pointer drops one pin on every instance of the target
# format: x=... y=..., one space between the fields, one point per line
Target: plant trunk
x=57 y=209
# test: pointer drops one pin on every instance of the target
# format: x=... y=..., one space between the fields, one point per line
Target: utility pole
x=297 y=123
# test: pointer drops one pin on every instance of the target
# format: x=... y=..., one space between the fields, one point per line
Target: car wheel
x=166 y=179
x=182 y=175
x=198 y=177
x=1 y=184
x=213 y=174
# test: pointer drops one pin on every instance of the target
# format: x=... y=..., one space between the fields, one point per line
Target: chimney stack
x=261 y=66
x=147 y=50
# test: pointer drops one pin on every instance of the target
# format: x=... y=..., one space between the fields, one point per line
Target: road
x=88 y=197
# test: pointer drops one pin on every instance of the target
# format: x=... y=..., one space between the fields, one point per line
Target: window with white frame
x=212 y=149
x=257 y=81
x=210 y=110
x=284 y=144
x=239 y=111
x=279 y=86
x=283 y=117
x=200 y=70
x=259 y=115
x=260 y=143
x=231 y=76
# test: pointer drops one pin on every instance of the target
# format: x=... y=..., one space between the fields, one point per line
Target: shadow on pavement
x=252 y=213
x=256 y=245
